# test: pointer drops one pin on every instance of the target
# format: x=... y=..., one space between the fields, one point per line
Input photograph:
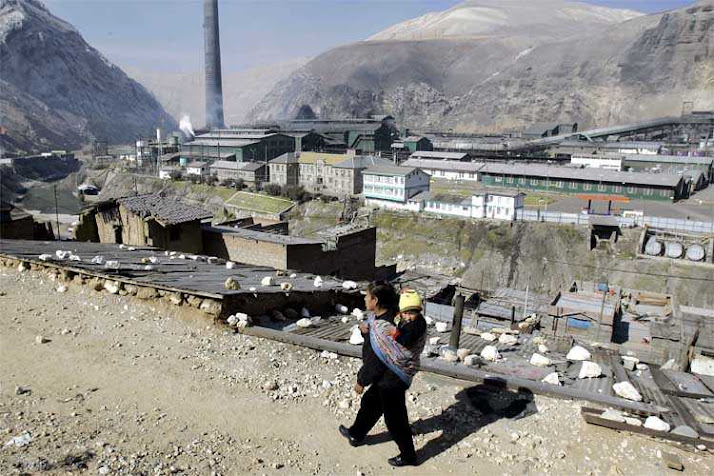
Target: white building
x=604 y=161
x=197 y=168
x=503 y=205
x=393 y=186
x=454 y=205
x=447 y=169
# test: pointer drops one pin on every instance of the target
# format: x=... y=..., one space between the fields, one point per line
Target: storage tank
x=673 y=249
x=653 y=247
x=695 y=253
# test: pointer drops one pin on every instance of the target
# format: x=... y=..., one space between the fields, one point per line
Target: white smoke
x=186 y=126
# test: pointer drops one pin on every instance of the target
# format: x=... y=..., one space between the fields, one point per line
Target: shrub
x=272 y=189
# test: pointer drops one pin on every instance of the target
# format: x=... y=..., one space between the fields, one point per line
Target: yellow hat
x=409 y=300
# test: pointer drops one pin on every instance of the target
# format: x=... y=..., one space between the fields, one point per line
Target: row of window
x=600 y=187
x=384 y=179
x=382 y=190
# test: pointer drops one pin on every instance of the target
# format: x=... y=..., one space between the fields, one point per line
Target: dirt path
x=131 y=387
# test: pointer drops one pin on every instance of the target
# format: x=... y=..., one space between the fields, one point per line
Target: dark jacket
x=373 y=370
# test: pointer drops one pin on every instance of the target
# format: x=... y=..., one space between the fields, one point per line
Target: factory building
x=447 y=169
x=244 y=145
x=667 y=187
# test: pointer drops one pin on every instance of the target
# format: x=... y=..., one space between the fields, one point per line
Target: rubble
x=286 y=286
x=19 y=441
x=589 y=370
x=325 y=354
x=578 y=353
x=657 y=424
x=672 y=461
x=488 y=337
x=628 y=391
x=61 y=288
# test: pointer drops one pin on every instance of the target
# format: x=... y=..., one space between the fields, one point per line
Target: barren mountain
x=184 y=93
x=483 y=75
x=56 y=91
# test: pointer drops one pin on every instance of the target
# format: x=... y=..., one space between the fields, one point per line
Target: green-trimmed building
x=246 y=145
x=636 y=185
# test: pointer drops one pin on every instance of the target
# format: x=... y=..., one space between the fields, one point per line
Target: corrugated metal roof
x=435 y=154
x=167 y=210
x=450 y=165
x=389 y=170
x=587 y=174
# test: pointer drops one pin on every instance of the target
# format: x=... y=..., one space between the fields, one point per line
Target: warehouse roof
x=453 y=165
x=668 y=159
x=244 y=166
x=362 y=162
x=286 y=158
x=264 y=236
x=168 y=211
x=223 y=142
x=434 y=154
x=586 y=174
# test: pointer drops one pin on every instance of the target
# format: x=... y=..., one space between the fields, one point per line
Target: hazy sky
x=167 y=35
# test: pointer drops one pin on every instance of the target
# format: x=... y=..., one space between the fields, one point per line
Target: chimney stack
x=214 y=83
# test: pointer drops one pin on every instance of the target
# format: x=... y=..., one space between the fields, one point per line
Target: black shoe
x=344 y=431
x=399 y=461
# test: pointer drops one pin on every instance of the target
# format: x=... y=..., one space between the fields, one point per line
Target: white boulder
x=471 y=360
x=449 y=355
x=441 y=326
x=628 y=391
x=590 y=370
x=578 y=353
x=488 y=337
x=112 y=286
x=613 y=415
x=304 y=322
x=490 y=353
x=358 y=313
x=342 y=309
x=508 y=339
x=552 y=378
x=656 y=424
x=45 y=257
x=317 y=282
x=543 y=349
x=539 y=360
x=434 y=340
x=230 y=265
x=349 y=285
x=356 y=337
x=463 y=353
x=267 y=281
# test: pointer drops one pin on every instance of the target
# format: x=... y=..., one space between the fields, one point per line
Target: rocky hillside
x=486 y=66
x=56 y=91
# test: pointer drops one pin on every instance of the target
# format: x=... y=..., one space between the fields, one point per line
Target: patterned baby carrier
x=400 y=360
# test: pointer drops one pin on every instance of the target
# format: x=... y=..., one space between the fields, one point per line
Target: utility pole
x=525 y=301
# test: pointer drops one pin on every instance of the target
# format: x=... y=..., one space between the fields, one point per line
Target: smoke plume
x=186 y=127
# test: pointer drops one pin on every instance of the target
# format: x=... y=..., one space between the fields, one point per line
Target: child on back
x=410 y=323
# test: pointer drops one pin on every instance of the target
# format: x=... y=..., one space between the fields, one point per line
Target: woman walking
x=387 y=369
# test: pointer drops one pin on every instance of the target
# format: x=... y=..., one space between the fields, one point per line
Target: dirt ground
x=124 y=386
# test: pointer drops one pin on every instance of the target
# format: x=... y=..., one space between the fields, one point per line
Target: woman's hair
x=387 y=298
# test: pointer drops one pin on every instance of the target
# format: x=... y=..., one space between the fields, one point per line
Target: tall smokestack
x=214 y=83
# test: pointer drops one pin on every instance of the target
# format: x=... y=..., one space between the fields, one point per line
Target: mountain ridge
x=507 y=82
x=57 y=91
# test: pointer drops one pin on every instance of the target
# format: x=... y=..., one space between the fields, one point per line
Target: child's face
x=410 y=315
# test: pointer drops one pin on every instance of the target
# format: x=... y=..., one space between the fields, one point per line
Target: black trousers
x=391 y=403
